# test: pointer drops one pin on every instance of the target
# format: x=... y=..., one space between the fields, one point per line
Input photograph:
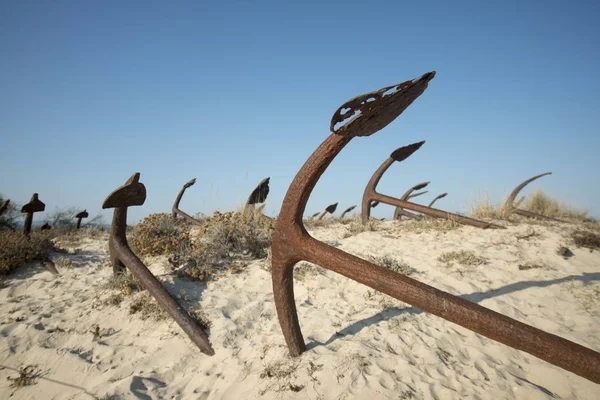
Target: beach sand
x=362 y=344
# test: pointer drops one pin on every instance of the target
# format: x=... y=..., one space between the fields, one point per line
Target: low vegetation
x=225 y=241
x=392 y=264
x=586 y=239
x=159 y=234
x=17 y=249
x=537 y=202
x=462 y=258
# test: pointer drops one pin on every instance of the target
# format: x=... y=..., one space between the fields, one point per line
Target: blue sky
x=233 y=92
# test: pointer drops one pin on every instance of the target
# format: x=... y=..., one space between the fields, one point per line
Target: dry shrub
x=586 y=239
x=17 y=249
x=147 y=307
x=392 y=264
x=462 y=257
x=323 y=223
x=355 y=226
x=125 y=283
x=225 y=237
x=160 y=234
x=428 y=224
x=482 y=208
x=27 y=376
x=541 y=203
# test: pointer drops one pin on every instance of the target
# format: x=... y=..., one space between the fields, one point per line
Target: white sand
x=362 y=344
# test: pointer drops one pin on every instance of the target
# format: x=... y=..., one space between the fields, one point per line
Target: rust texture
x=4 y=206
x=80 y=216
x=34 y=205
x=330 y=209
x=133 y=193
x=399 y=211
x=175 y=209
x=441 y=196
x=370 y=194
x=510 y=207
x=347 y=210
x=259 y=195
x=292 y=244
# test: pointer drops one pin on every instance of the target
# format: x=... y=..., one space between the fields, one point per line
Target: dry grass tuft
x=427 y=225
x=281 y=375
x=17 y=250
x=324 y=223
x=146 y=307
x=482 y=208
x=392 y=264
x=586 y=239
x=462 y=257
x=125 y=284
x=541 y=203
x=355 y=226
x=27 y=376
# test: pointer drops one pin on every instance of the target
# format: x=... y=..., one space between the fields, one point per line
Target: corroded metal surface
x=510 y=207
x=330 y=209
x=292 y=244
x=370 y=194
x=133 y=193
x=34 y=205
x=259 y=195
x=399 y=211
x=175 y=209
x=80 y=216
x=347 y=210
x=4 y=206
x=441 y=196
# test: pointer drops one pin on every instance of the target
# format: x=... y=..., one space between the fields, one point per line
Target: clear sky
x=233 y=92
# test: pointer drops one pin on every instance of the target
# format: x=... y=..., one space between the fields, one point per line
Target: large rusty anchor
x=371 y=194
x=510 y=207
x=292 y=244
x=133 y=193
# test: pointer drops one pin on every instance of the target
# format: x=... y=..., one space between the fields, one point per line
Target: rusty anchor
x=133 y=193
x=347 y=210
x=259 y=194
x=292 y=244
x=314 y=215
x=370 y=194
x=440 y=196
x=80 y=216
x=510 y=207
x=175 y=209
x=4 y=206
x=330 y=209
x=34 y=205
x=399 y=211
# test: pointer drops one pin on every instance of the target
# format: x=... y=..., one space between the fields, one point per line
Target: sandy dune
x=362 y=344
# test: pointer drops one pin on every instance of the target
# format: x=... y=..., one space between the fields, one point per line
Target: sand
x=361 y=344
